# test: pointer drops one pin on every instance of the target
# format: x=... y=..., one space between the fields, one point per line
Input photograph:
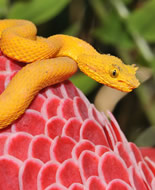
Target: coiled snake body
x=53 y=60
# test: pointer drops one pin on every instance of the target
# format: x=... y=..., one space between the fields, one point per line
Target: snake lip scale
x=52 y=60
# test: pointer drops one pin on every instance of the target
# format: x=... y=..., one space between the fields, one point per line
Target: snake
x=50 y=61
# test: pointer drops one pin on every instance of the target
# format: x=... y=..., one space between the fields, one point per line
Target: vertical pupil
x=114 y=73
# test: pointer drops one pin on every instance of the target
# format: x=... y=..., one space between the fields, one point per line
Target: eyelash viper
x=53 y=60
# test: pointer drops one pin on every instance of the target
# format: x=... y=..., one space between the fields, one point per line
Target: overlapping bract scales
x=62 y=142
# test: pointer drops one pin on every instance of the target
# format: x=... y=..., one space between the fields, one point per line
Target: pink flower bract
x=62 y=142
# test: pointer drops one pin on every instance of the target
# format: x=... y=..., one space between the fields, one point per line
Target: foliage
x=38 y=11
x=123 y=27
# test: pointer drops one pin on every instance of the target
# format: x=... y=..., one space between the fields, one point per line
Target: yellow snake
x=53 y=60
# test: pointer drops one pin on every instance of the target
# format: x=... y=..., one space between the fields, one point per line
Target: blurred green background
x=125 y=28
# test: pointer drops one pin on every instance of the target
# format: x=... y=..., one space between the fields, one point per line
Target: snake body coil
x=54 y=59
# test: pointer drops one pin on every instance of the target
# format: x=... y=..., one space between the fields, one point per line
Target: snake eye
x=114 y=73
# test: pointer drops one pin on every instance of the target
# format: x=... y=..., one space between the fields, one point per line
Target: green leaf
x=84 y=83
x=38 y=11
x=113 y=32
x=152 y=65
x=73 y=30
x=127 y=1
x=3 y=7
x=146 y=138
x=142 y=21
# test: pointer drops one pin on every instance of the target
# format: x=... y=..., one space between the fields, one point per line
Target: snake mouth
x=128 y=86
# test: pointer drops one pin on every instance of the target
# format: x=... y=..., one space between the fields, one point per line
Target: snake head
x=109 y=70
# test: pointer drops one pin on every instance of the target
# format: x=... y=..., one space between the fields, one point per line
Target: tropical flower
x=62 y=142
